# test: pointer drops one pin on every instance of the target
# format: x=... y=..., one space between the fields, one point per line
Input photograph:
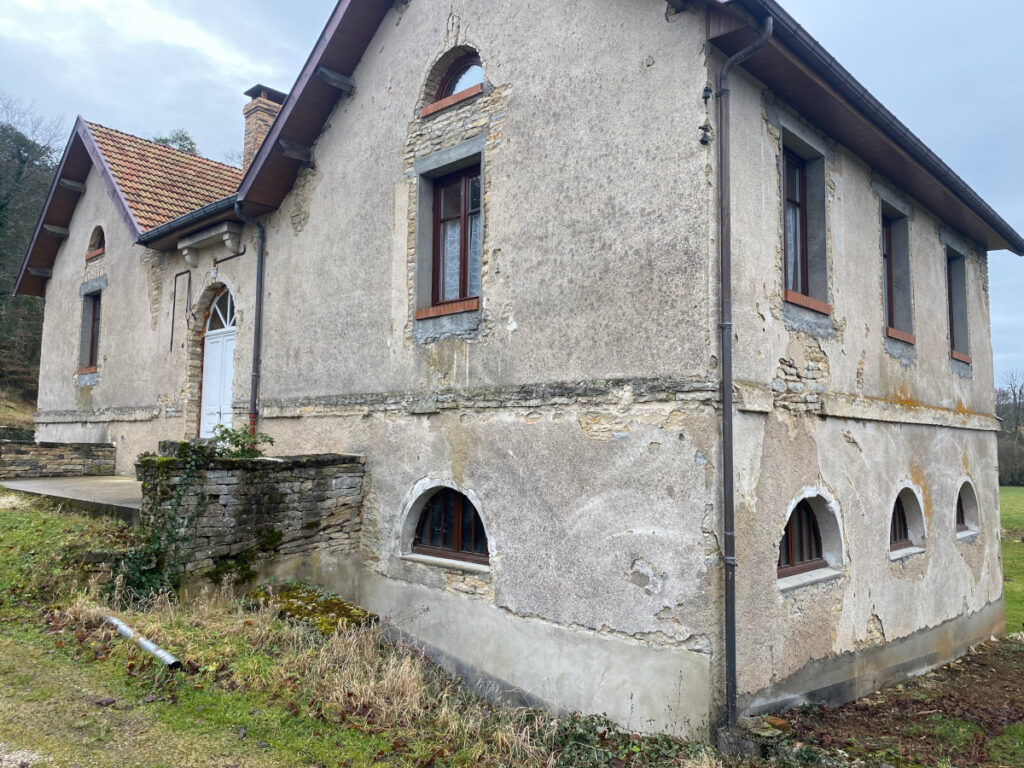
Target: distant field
x=1011 y=504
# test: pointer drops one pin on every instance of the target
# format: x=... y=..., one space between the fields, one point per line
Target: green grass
x=1011 y=505
x=256 y=689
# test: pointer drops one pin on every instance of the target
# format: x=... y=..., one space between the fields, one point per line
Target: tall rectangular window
x=956 y=287
x=896 y=284
x=805 y=255
x=458 y=236
x=88 y=351
x=795 y=188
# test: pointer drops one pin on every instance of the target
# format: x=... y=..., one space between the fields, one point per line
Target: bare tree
x=29 y=149
x=1010 y=408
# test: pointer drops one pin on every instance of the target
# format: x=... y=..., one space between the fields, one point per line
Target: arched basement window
x=800 y=550
x=966 y=519
x=450 y=527
x=222 y=313
x=97 y=244
x=899 y=531
x=461 y=76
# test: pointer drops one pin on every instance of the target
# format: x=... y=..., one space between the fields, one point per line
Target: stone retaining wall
x=26 y=459
x=236 y=511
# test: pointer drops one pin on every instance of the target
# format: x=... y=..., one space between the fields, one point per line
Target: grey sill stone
x=796 y=581
x=453 y=565
x=903 y=554
x=967 y=537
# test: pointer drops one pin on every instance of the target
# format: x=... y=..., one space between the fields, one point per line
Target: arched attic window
x=97 y=244
x=465 y=73
x=450 y=527
x=456 y=76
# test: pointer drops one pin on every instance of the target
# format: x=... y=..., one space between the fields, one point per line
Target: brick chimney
x=259 y=115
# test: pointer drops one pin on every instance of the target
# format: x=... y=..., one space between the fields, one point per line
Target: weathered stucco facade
x=578 y=407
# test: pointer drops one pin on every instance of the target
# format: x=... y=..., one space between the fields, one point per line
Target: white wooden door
x=218 y=365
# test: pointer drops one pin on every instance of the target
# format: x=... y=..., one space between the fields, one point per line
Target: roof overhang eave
x=976 y=219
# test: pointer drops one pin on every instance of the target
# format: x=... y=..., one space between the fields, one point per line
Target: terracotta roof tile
x=158 y=182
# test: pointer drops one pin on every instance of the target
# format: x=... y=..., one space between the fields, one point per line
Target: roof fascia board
x=308 y=71
x=49 y=198
x=790 y=35
x=188 y=219
x=81 y=132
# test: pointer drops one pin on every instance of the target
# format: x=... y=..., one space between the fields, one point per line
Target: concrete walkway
x=118 y=496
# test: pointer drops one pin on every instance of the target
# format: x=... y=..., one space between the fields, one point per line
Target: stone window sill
x=968 y=537
x=451 y=308
x=807 y=302
x=798 y=580
x=453 y=565
x=892 y=333
x=903 y=554
x=451 y=101
x=960 y=356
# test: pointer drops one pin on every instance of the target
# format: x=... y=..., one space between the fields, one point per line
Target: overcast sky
x=954 y=75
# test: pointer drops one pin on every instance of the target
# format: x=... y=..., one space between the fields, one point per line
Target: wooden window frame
x=459 y=505
x=455 y=71
x=92 y=358
x=899 y=529
x=955 y=350
x=887 y=258
x=464 y=299
x=801 y=536
x=791 y=158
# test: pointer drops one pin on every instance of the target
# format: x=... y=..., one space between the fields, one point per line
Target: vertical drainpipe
x=725 y=238
x=257 y=326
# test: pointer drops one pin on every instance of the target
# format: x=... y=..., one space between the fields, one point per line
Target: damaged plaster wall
x=581 y=408
x=829 y=404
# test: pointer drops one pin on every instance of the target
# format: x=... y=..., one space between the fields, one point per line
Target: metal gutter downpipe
x=257 y=325
x=728 y=490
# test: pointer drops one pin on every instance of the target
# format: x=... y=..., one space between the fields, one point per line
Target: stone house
x=666 y=344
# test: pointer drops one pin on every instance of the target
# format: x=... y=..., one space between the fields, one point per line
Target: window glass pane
x=467 y=526
x=474 y=193
x=448 y=541
x=436 y=520
x=475 y=249
x=480 y=540
x=451 y=200
x=451 y=263
x=793 y=278
x=470 y=76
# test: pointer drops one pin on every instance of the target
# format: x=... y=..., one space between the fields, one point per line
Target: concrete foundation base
x=850 y=676
x=640 y=686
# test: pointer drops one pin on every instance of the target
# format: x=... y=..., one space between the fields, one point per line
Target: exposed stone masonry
x=253 y=507
x=25 y=459
x=800 y=388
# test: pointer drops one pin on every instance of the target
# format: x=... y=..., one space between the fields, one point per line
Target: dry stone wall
x=26 y=459
x=235 y=511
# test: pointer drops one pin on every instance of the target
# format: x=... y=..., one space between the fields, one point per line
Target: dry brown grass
x=357 y=671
